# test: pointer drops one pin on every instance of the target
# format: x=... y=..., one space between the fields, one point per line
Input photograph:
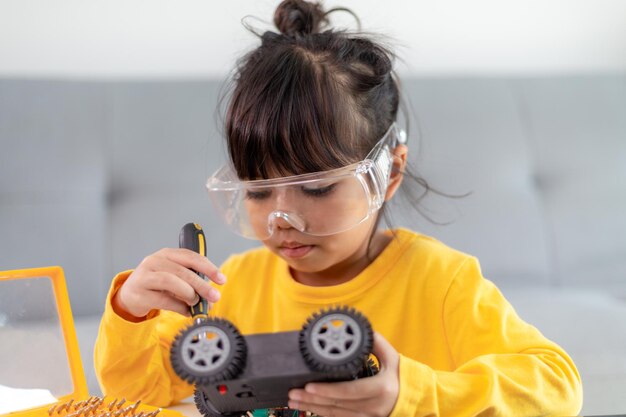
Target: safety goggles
x=318 y=204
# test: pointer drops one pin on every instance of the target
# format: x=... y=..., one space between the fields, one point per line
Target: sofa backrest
x=96 y=175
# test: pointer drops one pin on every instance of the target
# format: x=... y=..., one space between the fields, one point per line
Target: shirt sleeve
x=132 y=360
x=503 y=366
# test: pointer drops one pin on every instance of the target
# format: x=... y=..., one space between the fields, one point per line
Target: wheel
x=208 y=352
x=337 y=340
x=202 y=403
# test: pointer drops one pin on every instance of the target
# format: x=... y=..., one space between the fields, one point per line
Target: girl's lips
x=293 y=251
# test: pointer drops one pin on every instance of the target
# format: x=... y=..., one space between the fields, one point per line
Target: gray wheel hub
x=336 y=337
x=205 y=349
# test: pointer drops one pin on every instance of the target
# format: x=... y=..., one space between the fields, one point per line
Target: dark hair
x=308 y=100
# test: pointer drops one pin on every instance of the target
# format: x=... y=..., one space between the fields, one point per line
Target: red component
x=222 y=389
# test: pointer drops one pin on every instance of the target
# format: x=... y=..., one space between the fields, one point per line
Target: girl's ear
x=397 y=170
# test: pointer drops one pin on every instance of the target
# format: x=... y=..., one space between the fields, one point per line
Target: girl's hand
x=166 y=280
x=373 y=396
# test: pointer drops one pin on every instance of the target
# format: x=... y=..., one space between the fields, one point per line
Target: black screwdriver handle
x=192 y=237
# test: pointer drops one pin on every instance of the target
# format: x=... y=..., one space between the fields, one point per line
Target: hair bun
x=299 y=17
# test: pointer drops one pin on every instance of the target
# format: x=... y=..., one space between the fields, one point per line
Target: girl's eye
x=319 y=192
x=258 y=195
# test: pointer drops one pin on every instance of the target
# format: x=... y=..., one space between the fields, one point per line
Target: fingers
x=168 y=280
x=356 y=390
x=164 y=301
x=172 y=284
x=302 y=397
x=348 y=390
x=371 y=396
x=379 y=402
x=194 y=261
x=360 y=388
x=138 y=302
x=183 y=275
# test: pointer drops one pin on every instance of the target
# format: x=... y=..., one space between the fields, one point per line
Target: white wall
x=200 y=38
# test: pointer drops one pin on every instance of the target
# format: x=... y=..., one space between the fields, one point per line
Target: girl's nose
x=283 y=220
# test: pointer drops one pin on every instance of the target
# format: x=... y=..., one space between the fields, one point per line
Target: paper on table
x=16 y=399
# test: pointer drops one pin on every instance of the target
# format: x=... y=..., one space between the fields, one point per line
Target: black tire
x=208 y=352
x=202 y=403
x=338 y=340
x=370 y=368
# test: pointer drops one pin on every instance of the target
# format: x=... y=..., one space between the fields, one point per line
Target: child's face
x=332 y=258
x=332 y=205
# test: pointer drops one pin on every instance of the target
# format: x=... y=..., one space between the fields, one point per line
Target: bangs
x=290 y=115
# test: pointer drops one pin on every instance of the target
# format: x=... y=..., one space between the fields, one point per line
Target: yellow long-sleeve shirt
x=463 y=349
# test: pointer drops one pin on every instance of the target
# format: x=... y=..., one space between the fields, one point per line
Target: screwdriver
x=192 y=237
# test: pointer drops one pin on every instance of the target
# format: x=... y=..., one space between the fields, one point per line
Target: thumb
x=384 y=352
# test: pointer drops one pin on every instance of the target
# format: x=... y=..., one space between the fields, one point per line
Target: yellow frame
x=69 y=333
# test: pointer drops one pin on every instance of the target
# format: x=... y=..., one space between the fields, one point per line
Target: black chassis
x=234 y=373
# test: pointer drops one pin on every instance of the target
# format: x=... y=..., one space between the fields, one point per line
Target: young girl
x=315 y=154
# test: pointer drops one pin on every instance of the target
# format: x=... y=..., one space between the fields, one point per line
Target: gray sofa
x=96 y=175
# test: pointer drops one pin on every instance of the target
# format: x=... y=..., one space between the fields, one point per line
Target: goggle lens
x=319 y=204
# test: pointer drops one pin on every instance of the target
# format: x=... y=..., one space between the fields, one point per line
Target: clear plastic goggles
x=319 y=204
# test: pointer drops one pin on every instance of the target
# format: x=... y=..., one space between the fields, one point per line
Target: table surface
x=187 y=408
